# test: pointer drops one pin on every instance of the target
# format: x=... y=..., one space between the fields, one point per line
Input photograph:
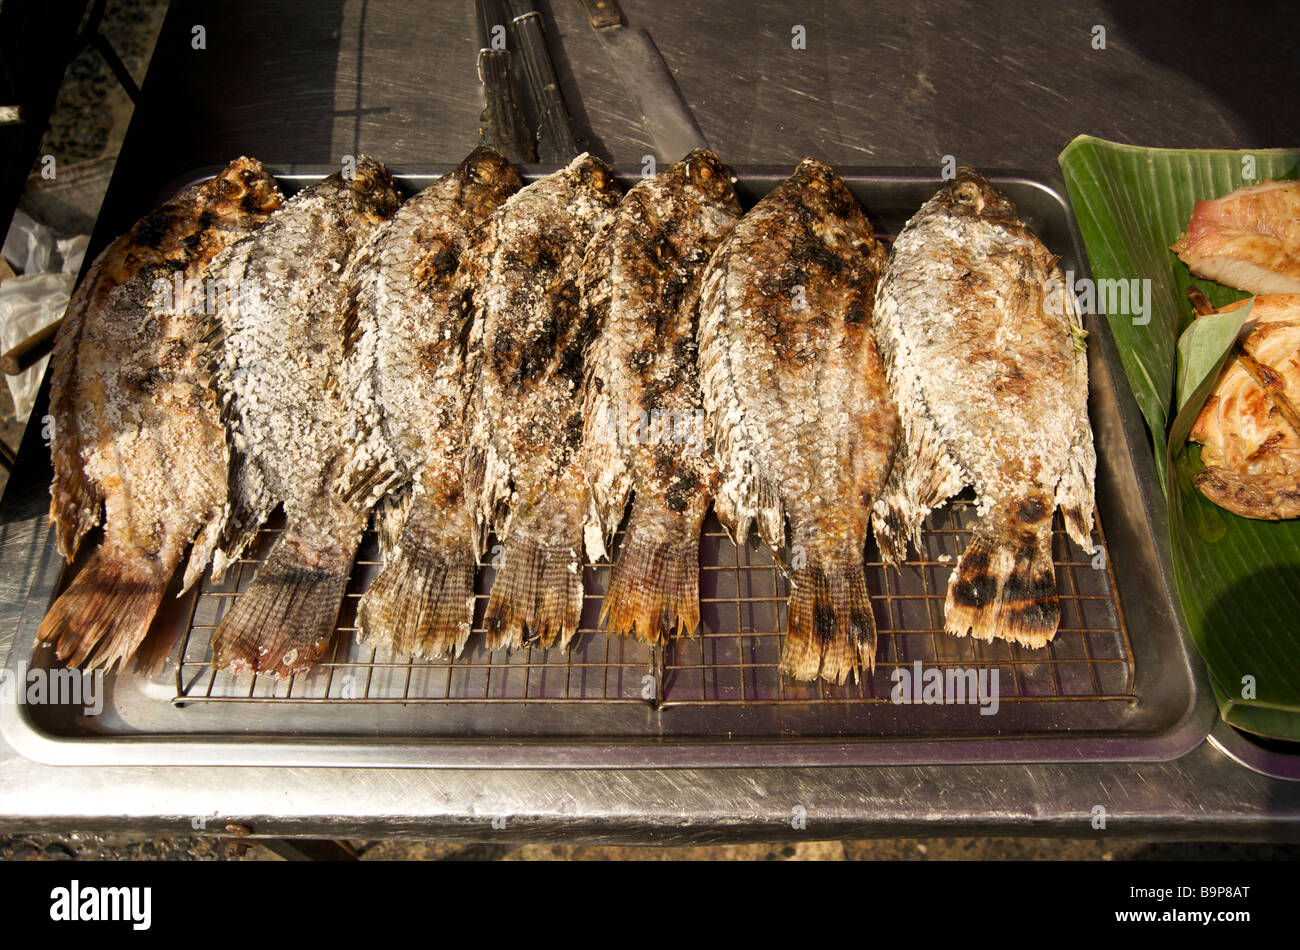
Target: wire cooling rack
x=731 y=661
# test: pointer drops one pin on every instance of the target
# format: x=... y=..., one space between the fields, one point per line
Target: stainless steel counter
x=876 y=84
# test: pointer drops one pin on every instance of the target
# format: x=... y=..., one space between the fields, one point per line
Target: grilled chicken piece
x=1248 y=426
x=1249 y=239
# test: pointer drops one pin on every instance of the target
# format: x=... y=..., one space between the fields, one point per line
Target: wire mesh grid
x=732 y=660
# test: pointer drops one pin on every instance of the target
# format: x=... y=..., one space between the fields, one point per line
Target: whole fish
x=279 y=363
x=136 y=431
x=527 y=339
x=644 y=429
x=405 y=328
x=1249 y=239
x=984 y=348
x=804 y=424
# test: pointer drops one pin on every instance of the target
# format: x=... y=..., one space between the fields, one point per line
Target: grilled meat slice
x=1249 y=239
x=1248 y=426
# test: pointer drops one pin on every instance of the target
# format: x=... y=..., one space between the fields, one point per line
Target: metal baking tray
x=1117 y=683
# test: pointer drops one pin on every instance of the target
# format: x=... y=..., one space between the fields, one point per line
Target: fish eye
x=483 y=172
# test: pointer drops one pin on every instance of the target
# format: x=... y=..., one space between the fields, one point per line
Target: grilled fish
x=278 y=361
x=1249 y=239
x=405 y=328
x=804 y=424
x=1249 y=426
x=983 y=345
x=644 y=430
x=526 y=345
x=136 y=430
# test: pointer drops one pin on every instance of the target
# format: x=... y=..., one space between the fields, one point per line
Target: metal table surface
x=877 y=84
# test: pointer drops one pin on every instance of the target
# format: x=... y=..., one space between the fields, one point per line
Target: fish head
x=373 y=188
x=488 y=179
x=597 y=177
x=244 y=188
x=706 y=173
x=970 y=194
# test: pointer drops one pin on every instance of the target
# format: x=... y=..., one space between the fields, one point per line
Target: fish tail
x=284 y=622
x=538 y=592
x=654 y=588
x=422 y=602
x=831 y=631
x=1005 y=590
x=106 y=610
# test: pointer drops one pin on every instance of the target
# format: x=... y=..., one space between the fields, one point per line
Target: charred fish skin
x=983 y=346
x=279 y=355
x=805 y=427
x=527 y=339
x=405 y=330
x=136 y=432
x=644 y=430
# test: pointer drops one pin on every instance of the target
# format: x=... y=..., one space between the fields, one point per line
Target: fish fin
x=284 y=622
x=654 y=588
x=538 y=592
x=249 y=504
x=1075 y=493
x=1005 y=591
x=390 y=517
x=106 y=611
x=831 y=631
x=75 y=501
x=920 y=480
x=422 y=602
x=1270 y=497
x=201 y=551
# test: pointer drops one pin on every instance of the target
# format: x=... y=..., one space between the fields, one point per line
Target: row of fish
x=541 y=363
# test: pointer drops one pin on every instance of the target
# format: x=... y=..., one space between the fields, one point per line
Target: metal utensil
x=555 y=140
x=501 y=125
x=645 y=76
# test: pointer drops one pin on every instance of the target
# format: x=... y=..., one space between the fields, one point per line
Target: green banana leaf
x=1238 y=580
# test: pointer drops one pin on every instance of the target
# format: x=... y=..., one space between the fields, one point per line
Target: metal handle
x=603 y=13
x=556 y=142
